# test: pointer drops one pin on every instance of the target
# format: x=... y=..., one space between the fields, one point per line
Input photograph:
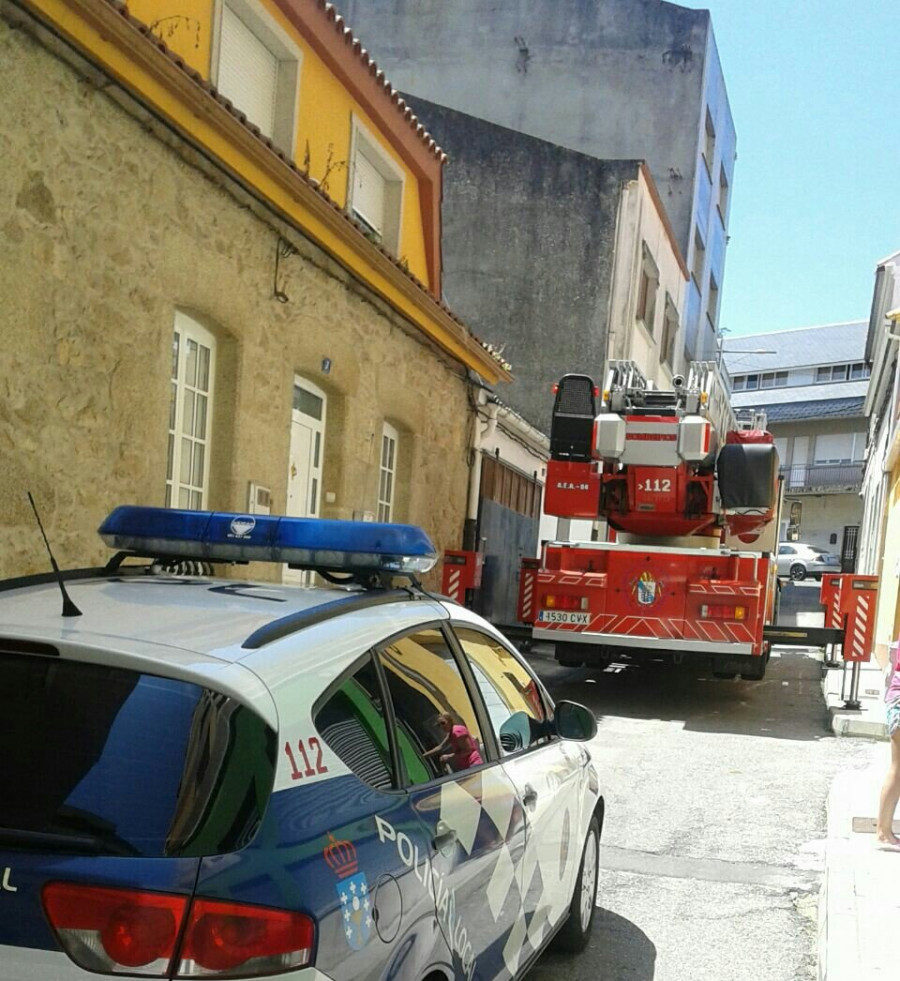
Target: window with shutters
x=190 y=414
x=387 y=472
x=375 y=193
x=258 y=69
x=647 y=289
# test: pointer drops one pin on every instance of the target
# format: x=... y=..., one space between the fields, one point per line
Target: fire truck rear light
x=116 y=931
x=554 y=388
x=723 y=612
x=553 y=601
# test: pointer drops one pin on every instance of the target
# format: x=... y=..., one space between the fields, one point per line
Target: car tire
x=576 y=931
x=798 y=572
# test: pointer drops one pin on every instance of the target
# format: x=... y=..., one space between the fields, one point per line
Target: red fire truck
x=685 y=495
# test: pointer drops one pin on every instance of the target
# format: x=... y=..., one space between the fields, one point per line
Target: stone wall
x=105 y=230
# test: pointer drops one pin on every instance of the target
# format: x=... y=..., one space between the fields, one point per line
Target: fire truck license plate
x=564 y=616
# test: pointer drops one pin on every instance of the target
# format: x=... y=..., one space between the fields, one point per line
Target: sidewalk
x=859 y=904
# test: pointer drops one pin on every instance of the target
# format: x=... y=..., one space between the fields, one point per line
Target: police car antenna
x=69 y=608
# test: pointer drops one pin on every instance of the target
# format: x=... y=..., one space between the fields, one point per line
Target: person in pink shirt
x=890 y=791
x=458 y=749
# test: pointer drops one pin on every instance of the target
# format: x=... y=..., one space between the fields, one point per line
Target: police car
x=211 y=778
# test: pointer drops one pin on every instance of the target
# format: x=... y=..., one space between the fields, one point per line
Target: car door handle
x=444 y=835
x=529 y=798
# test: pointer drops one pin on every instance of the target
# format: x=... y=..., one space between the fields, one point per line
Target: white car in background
x=797 y=560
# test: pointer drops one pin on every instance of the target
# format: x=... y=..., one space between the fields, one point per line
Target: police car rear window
x=102 y=760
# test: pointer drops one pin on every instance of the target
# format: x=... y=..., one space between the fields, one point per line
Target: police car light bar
x=313 y=543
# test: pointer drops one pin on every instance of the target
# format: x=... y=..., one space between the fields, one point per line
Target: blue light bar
x=313 y=543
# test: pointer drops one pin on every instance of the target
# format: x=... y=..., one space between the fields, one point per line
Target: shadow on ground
x=618 y=951
x=787 y=704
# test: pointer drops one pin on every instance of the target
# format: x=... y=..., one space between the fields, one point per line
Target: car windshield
x=129 y=763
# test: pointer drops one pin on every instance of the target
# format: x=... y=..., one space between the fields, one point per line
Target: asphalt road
x=715 y=816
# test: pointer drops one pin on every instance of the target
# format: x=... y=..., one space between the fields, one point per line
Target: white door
x=307 y=451
x=799 y=460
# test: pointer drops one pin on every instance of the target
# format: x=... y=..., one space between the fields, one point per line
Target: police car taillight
x=115 y=931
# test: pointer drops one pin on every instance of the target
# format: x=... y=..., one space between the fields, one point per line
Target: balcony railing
x=832 y=478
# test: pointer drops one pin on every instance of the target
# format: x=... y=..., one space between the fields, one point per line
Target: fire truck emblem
x=646 y=589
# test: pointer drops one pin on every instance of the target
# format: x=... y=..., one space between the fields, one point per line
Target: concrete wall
x=610 y=78
x=528 y=233
x=104 y=233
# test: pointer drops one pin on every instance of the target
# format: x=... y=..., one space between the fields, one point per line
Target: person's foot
x=887 y=839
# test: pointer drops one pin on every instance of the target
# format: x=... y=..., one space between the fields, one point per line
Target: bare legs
x=890 y=794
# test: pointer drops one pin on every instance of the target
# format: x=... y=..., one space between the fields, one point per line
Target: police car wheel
x=576 y=931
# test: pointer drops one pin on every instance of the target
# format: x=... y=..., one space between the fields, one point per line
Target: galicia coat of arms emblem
x=352 y=890
x=646 y=589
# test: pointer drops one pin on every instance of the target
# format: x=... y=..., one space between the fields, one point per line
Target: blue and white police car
x=211 y=778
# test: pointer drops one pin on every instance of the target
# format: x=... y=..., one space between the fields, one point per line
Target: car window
x=786 y=550
x=436 y=723
x=129 y=763
x=351 y=721
x=512 y=696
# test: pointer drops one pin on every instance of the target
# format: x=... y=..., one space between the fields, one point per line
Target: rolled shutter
x=248 y=72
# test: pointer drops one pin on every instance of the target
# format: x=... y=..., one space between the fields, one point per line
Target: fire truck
x=686 y=496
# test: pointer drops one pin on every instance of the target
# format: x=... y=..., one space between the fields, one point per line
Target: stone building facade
x=118 y=237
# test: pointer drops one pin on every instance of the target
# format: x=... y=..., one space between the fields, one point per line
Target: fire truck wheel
x=758 y=669
x=569 y=655
x=798 y=572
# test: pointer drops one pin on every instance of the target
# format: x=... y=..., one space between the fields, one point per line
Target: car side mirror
x=574 y=721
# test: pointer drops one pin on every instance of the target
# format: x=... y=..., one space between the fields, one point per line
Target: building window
x=649 y=284
x=712 y=301
x=258 y=69
x=774 y=379
x=856 y=371
x=699 y=258
x=388 y=472
x=190 y=413
x=709 y=146
x=722 y=203
x=375 y=196
x=669 y=333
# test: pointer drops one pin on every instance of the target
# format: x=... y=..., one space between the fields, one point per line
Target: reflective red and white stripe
x=860 y=628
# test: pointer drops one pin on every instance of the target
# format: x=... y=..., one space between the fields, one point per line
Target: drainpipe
x=470 y=528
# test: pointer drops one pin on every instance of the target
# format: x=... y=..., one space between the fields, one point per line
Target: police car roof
x=207 y=616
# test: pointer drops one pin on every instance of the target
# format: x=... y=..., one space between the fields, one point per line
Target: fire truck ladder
x=704 y=393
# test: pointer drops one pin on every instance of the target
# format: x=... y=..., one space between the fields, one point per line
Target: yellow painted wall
x=889 y=607
x=185 y=26
x=324 y=112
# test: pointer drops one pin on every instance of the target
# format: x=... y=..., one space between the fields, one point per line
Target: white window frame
x=722 y=203
x=290 y=62
x=387 y=472
x=709 y=143
x=362 y=141
x=712 y=300
x=187 y=329
x=648 y=288
x=699 y=258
